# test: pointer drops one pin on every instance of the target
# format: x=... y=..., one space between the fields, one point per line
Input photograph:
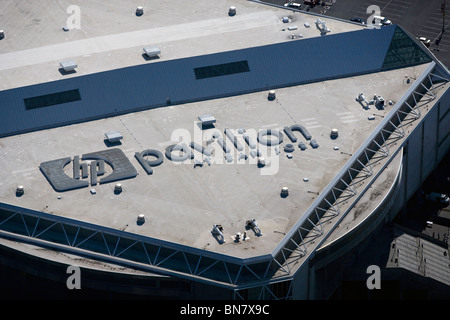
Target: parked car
x=293 y=5
x=382 y=20
x=425 y=41
x=359 y=20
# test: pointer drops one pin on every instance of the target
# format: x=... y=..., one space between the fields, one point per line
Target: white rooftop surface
x=181 y=203
x=111 y=36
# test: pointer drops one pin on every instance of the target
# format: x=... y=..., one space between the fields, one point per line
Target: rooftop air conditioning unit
x=379 y=102
x=113 y=136
x=152 y=51
x=68 y=65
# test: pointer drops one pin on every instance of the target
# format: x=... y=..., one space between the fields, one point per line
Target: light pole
x=443 y=15
x=443 y=23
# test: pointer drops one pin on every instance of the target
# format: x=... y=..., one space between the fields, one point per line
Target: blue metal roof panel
x=150 y=85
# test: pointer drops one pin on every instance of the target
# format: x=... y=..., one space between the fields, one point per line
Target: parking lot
x=420 y=18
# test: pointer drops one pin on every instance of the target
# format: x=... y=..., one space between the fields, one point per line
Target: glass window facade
x=403 y=51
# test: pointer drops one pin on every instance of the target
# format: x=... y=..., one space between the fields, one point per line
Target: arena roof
x=204 y=77
x=156 y=103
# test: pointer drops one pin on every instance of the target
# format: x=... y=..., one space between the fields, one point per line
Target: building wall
x=425 y=148
x=23 y=276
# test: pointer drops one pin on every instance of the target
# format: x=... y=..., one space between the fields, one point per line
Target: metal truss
x=281 y=290
x=110 y=245
x=359 y=172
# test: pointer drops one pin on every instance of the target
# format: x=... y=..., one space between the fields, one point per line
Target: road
x=420 y=18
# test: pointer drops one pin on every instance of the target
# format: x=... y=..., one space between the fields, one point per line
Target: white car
x=386 y=22
x=293 y=5
x=381 y=20
x=425 y=41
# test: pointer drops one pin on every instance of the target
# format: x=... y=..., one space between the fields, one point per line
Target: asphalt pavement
x=418 y=17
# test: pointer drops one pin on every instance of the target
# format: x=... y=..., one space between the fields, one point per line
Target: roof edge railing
x=353 y=159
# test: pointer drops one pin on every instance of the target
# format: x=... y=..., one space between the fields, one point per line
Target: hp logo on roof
x=90 y=165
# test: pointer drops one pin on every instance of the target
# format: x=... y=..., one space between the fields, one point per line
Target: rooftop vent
x=113 y=136
x=322 y=26
x=152 y=52
x=363 y=101
x=68 y=66
x=251 y=224
x=217 y=232
x=118 y=188
x=334 y=133
x=207 y=120
x=271 y=95
x=139 y=11
x=379 y=102
x=232 y=11
x=284 y=192
x=261 y=161
x=19 y=190
x=140 y=219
